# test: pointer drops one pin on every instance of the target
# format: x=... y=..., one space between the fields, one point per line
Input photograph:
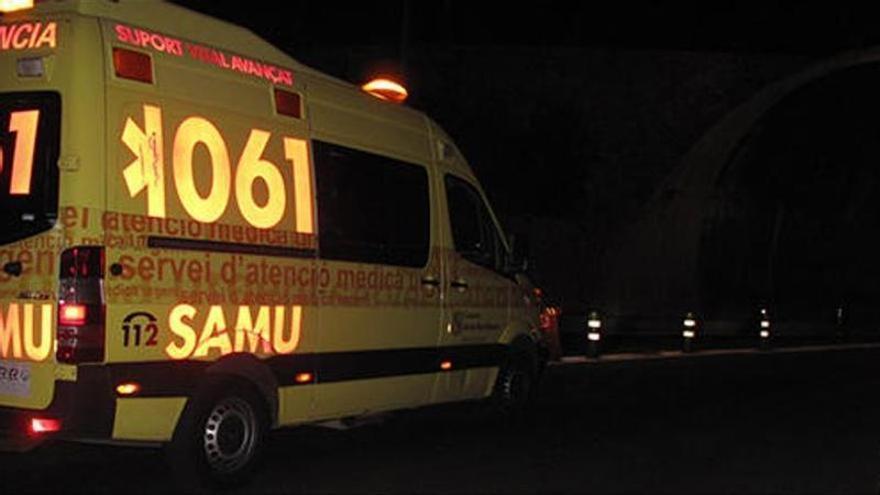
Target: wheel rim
x=230 y=435
x=515 y=388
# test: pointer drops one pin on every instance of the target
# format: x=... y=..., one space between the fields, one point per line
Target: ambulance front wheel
x=514 y=386
x=220 y=436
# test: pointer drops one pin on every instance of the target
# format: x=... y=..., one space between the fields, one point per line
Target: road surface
x=747 y=422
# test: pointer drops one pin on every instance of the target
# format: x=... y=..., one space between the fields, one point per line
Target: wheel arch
x=524 y=346
x=251 y=370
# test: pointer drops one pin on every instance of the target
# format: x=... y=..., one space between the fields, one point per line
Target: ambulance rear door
x=49 y=147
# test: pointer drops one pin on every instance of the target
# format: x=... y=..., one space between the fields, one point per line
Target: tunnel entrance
x=796 y=211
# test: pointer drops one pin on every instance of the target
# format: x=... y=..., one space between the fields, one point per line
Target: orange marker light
x=304 y=378
x=128 y=388
x=44 y=425
x=446 y=365
x=386 y=89
x=7 y=6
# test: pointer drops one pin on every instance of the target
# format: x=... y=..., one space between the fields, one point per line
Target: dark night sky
x=719 y=26
x=467 y=62
x=571 y=113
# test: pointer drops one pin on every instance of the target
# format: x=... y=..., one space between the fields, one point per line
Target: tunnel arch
x=796 y=207
x=776 y=205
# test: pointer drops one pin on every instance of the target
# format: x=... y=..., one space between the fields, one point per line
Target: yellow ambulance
x=203 y=239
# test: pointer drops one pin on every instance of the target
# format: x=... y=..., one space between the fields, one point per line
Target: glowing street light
x=7 y=6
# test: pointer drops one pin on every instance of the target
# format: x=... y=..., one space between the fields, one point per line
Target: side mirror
x=518 y=259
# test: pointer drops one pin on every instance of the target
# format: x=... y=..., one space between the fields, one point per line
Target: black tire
x=219 y=440
x=515 y=386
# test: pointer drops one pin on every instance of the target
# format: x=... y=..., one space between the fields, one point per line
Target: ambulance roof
x=173 y=20
x=170 y=19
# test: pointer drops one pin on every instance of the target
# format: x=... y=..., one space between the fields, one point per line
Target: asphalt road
x=744 y=423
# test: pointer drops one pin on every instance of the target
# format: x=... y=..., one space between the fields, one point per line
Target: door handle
x=452 y=328
x=459 y=284
x=430 y=281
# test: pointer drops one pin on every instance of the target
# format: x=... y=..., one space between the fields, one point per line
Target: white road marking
x=654 y=355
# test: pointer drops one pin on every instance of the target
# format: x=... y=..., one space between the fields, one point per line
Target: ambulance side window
x=371 y=208
x=473 y=232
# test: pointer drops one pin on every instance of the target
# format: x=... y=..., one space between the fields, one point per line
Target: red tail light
x=549 y=318
x=80 y=332
x=41 y=426
x=72 y=315
x=83 y=263
x=546 y=320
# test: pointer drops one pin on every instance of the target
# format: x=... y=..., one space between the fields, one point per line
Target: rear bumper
x=85 y=408
x=14 y=431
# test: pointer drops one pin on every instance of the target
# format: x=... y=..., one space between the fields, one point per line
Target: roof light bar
x=386 y=89
x=7 y=6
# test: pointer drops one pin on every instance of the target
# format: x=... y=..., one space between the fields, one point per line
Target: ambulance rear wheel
x=221 y=437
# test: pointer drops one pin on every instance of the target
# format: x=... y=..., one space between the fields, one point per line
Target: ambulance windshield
x=29 y=143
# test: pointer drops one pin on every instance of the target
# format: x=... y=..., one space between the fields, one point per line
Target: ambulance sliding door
x=380 y=313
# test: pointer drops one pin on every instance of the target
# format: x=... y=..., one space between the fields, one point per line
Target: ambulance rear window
x=371 y=208
x=29 y=144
